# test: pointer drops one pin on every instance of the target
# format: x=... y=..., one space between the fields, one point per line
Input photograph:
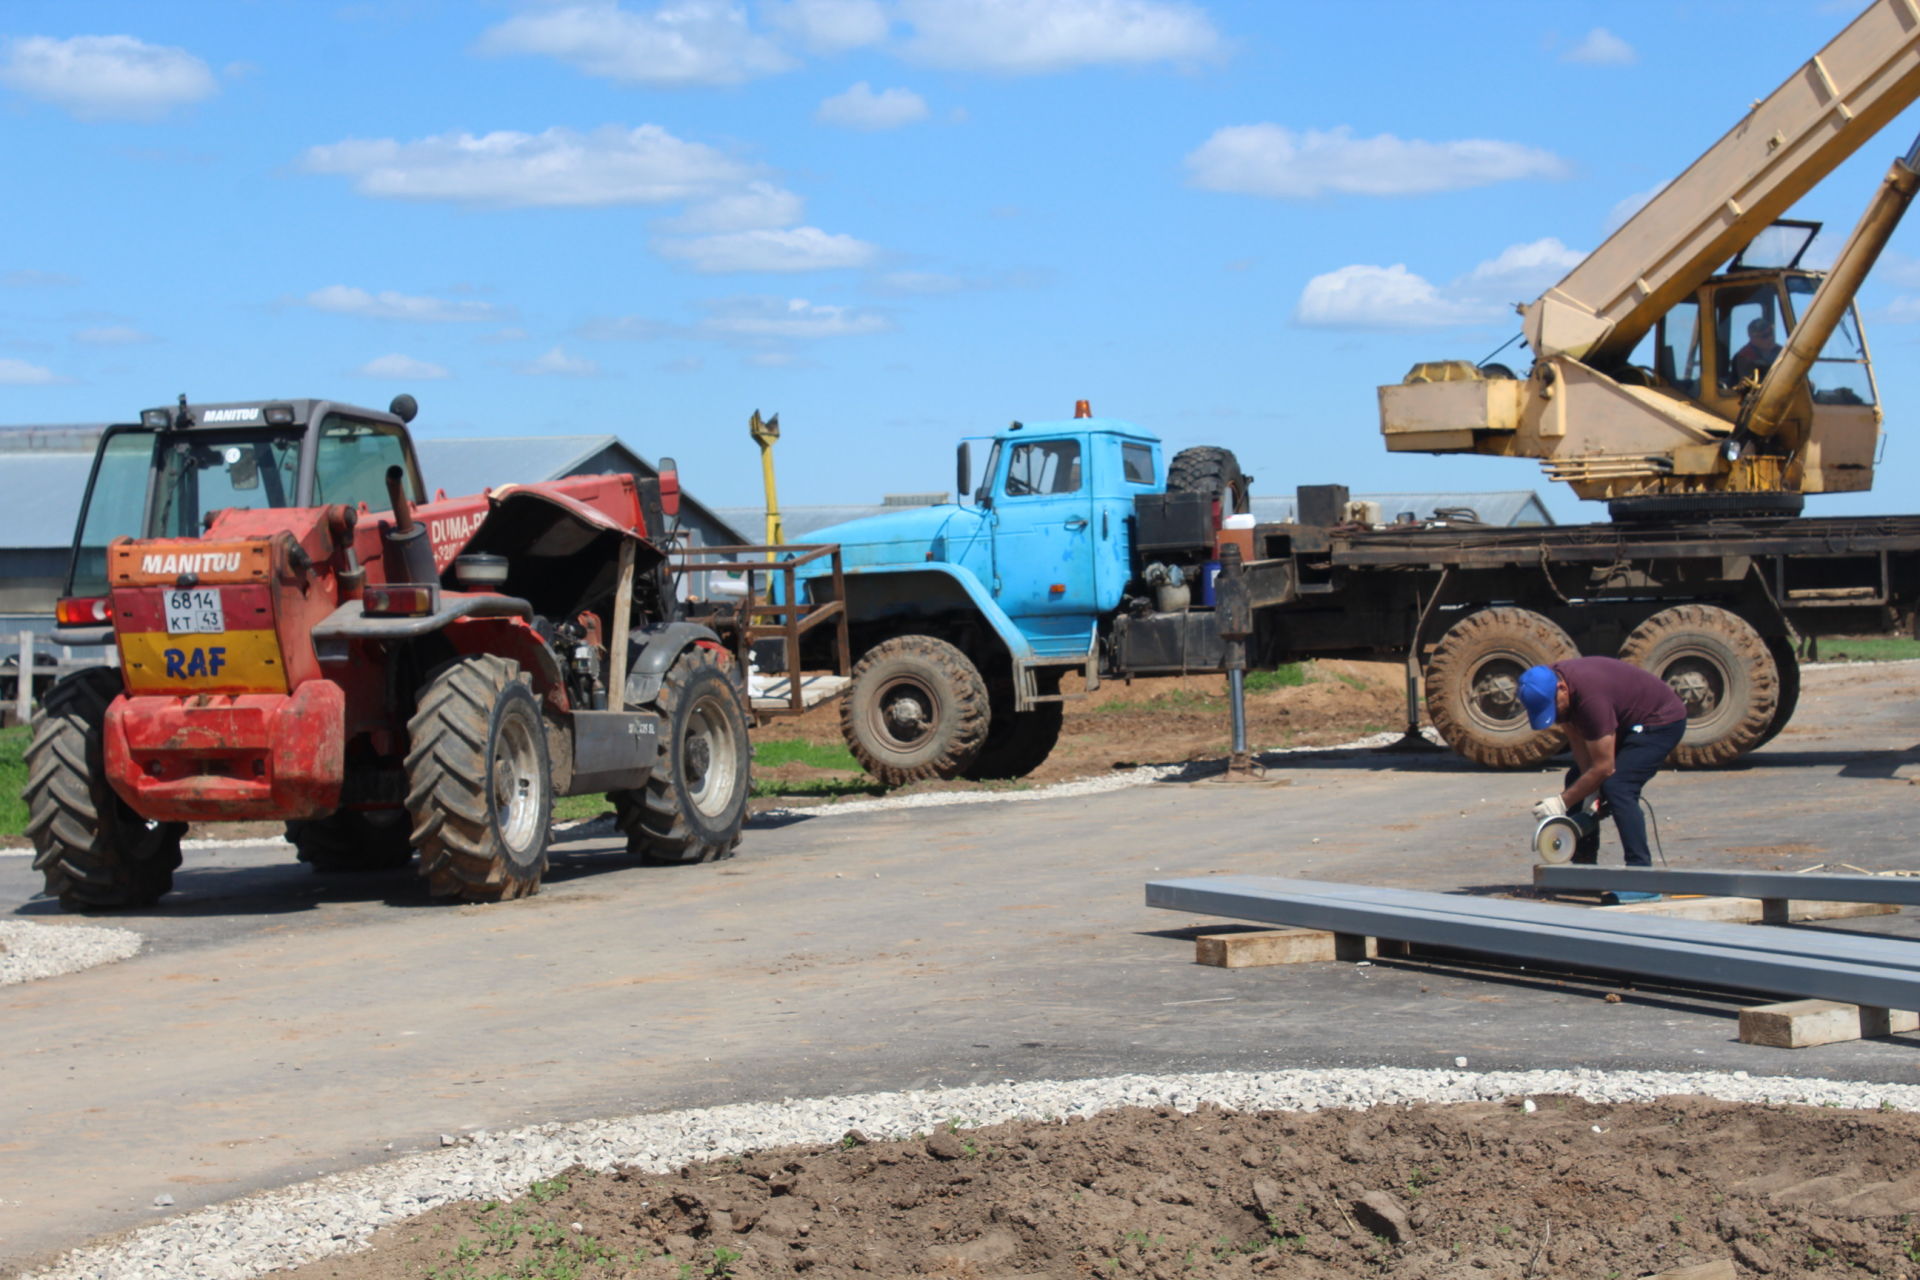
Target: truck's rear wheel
x=1722 y=670
x=1473 y=685
x=94 y=850
x=478 y=782
x=915 y=709
x=1213 y=471
x=351 y=840
x=694 y=805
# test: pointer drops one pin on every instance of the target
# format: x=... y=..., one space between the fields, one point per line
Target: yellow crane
x=765 y=432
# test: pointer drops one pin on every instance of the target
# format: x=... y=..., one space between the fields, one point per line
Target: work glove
x=1551 y=807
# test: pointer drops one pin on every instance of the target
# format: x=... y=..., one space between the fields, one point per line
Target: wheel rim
x=1701 y=682
x=709 y=764
x=904 y=714
x=1493 y=694
x=516 y=783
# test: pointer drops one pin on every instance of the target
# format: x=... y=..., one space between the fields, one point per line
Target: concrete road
x=278 y=1025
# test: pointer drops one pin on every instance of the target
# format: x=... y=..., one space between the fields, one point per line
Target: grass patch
x=1289 y=675
x=1867 y=648
x=1172 y=700
x=771 y=753
x=579 y=808
x=13 y=779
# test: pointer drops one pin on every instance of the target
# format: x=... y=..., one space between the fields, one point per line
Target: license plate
x=195 y=611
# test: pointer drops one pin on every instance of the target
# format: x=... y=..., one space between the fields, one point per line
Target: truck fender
x=660 y=647
x=875 y=594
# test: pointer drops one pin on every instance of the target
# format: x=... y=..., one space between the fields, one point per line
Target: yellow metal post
x=765 y=432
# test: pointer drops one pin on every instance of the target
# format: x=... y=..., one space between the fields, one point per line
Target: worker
x=1762 y=349
x=1621 y=722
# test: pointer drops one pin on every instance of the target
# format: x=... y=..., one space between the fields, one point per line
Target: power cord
x=1657 y=846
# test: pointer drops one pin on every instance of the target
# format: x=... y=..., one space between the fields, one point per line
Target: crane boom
x=1783 y=147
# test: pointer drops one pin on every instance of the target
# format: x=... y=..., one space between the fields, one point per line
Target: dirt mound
x=1492 y=1191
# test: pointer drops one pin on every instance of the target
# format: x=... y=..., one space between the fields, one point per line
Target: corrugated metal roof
x=40 y=497
x=468 y=465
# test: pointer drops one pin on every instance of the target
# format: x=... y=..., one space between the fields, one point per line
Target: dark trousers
x=1637 y=756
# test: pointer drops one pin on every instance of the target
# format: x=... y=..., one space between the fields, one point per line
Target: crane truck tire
x=1787 y=663
x=1473 y=685
x=1213 y=471
x=915 y=709
x=349 y=841
x=1722 y=670
x=694 y=805
x=94 y=850
x=479 y=786
x=1018 y=742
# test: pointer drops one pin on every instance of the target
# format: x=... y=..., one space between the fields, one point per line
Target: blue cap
x=1540 y=694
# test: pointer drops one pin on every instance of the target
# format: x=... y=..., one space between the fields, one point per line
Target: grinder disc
x=1554 y=839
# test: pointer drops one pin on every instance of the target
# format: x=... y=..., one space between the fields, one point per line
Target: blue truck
x=1083 y=548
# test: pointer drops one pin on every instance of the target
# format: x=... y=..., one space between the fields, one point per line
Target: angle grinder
x=1556 y=840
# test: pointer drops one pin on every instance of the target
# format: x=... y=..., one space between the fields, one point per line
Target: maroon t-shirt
x=1606 y=695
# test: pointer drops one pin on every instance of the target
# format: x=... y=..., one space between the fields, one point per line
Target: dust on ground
x=1491 y=1191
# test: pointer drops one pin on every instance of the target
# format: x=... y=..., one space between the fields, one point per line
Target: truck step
x=775 y=693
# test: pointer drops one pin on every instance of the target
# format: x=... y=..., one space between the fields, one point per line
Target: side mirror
x=963 y=467
x=670 y=488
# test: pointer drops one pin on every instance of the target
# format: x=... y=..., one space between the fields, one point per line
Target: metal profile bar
x=1901 y=891
x=1530 y=931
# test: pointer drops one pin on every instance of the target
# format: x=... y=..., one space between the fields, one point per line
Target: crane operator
x=1762 y=349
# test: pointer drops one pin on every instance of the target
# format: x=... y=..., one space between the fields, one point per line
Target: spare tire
x=1215 y=472
x=1473 y=685
x=1722 y=669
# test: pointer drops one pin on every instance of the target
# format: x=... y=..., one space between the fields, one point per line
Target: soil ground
x=1542 y=1187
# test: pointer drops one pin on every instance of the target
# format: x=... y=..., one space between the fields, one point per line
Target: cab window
x=1043 y=466
x=352 y=460
x=1136 y=463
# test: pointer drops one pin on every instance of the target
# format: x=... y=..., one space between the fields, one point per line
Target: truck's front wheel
x=94 y=850
x=1473 y=685
x=478 y=782
x=1017 y=742
x=1721 y=668
x=916 y=709
x=694 y=805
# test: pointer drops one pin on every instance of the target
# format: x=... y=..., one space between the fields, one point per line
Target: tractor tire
x=1722 y=670
x=695 y=804
x=1473 y=685
x=479 y=786
x=1018 y=742
x=95 y=852
x=916 y=709
x=351 y=841
x=1787 y=663
x=1214 y=472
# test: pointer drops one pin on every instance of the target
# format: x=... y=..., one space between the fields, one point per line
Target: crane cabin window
x=1841 y=374
x=1043 y=466
x=1675 y=349
x=1749 y=324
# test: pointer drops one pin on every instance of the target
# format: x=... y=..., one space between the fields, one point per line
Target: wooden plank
x=1718 y=1269
x=1258 y=948
x=1801 y=1024
x=1752 y=910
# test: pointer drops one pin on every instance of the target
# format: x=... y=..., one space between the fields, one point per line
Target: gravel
x=339 y=1213
x=30 y=951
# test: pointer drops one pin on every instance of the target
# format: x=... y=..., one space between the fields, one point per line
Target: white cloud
x=682 y=42
x=18 y=373
x=797 y=249
x=559 y=167
x=557 y=363
x=763 y=317
x=403 y=369
x=861 y=108
x=921 y=282
x=1029 y=36
x=621 y=329
x=346 y=300
x=1363 y=296
x=1627 y=206
x=1601 y=48
x=112 y=335
x=28 y=278
x=755 y=207
x=830 y=26
x=105 y=77
x=1271 y=160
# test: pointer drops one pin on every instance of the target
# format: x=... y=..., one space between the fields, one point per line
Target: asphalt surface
x=279 y=1025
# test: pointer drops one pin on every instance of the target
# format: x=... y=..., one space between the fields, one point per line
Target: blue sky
x=894 y=222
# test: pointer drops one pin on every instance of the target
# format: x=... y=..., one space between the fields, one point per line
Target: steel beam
x=1901 y=891
x=1572 y=937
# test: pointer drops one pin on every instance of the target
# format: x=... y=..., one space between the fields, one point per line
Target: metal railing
x=794 y=619
x=26 y=650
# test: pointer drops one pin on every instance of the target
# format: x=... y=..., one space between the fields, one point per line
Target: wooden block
x=1800 y=1024
x=1278 y=946
x=1718 y=1269
x=1753 y=910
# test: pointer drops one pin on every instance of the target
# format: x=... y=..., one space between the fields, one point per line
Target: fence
x=35 y=655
